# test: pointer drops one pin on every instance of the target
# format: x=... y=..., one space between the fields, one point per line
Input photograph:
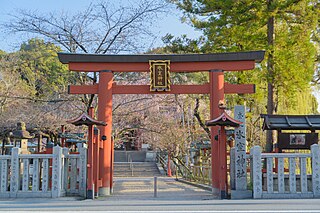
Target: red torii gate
x=215 y=64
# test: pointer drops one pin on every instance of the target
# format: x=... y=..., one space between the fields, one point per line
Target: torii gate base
x=215 y=64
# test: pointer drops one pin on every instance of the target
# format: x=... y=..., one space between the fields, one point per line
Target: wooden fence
x=43 y=175
x=199 y=174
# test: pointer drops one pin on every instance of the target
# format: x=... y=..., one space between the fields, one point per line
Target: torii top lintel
x=235 y=61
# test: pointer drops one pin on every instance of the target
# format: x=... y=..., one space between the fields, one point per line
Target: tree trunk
x=270 y=68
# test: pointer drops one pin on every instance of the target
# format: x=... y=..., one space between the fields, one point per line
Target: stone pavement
x=136 y=195
x=167 y=188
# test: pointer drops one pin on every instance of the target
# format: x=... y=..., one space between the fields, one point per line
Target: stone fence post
x=65 y=169
x=15 y=172
x=315 y=155
x=83 y=171
x=256 y=171
x=56 y=172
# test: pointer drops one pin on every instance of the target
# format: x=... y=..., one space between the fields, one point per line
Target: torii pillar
x=216 y=80
x=105 y=114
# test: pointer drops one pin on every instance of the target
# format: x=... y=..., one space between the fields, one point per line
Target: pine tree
x=283 y=28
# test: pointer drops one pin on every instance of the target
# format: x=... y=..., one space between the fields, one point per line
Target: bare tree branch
x=197 y=115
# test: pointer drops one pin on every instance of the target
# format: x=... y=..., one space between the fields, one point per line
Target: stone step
x=136 y=174
x=141 y=169
x=123 y=156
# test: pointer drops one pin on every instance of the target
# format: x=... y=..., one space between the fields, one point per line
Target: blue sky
x=168 y=23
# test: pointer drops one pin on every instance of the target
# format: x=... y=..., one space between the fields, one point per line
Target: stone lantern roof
x=21 y=132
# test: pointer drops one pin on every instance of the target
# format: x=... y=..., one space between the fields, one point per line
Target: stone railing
x=285 y=174
x=43 y=175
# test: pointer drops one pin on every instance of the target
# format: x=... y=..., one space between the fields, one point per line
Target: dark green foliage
x=242 y=26
x=40 y=68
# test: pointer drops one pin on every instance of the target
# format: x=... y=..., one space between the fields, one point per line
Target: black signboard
x=296 y=140
x=160 y=75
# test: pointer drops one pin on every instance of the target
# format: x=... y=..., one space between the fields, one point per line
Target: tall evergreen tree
x=283 y=28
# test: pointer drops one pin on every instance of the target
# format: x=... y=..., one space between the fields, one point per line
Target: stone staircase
x=139 y=169
x=124 y=156
x=140 y=165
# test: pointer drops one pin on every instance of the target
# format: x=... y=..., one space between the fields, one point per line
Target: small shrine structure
x=292 y=130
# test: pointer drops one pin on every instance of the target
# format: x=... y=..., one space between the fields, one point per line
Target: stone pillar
x=105 y=114
x=24 y=146
x=15 y=172
x=315 y=154
x=256 y=171
x=4 y=172
x=240 y=151
x=232 y=168
x=65 y=179
x=83 y=171
x=56 y=172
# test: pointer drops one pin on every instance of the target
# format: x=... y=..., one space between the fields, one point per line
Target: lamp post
x=88 y=120
x=223 y=120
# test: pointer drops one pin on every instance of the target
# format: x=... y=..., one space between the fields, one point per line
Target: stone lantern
x=23 y=135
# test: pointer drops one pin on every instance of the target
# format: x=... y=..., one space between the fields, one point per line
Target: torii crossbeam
x=215 y=64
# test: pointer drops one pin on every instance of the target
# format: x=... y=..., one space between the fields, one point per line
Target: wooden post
x=112 y=160
x=155 y=187
x=223 y=163
x=169 y=166
x=216 y=80
x=63 y=140
x=256 y=171
x=105 y=114
x=96 y=161
x=39 y=142
x=56 y=172
x=315 y=153
x=90 y=157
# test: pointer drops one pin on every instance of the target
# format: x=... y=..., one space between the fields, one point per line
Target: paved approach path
x=137 y=195
x=167 y=189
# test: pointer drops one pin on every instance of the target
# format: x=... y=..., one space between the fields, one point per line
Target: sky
x=168 y=23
